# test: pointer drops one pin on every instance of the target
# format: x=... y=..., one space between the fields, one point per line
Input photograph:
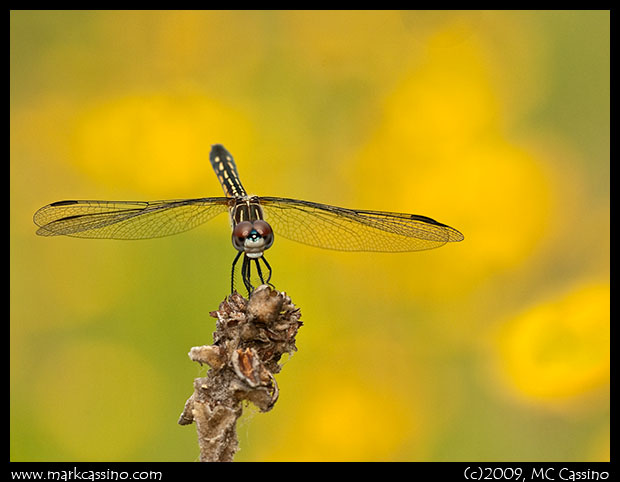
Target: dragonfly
x=254 y=222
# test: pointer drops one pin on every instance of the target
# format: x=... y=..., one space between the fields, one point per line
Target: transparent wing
x=126 y=219
x=332 y=227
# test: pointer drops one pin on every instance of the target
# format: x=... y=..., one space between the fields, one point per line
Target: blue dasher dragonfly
x=253 y=219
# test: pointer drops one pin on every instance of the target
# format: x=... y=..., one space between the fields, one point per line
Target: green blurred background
x=496 y=123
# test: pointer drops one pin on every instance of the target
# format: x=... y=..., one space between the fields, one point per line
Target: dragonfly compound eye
x=264 y=230
x=240 y=233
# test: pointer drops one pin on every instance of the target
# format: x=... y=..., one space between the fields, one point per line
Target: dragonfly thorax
x=252 y=237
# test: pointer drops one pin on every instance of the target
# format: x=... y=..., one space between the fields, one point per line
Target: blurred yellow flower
x=559 y=349
x=157 y=143
x=347 y=421
x=439 y=151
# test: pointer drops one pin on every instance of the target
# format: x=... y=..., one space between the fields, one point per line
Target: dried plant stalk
x=250 y=338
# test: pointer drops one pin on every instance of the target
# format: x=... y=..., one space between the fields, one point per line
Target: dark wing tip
x=63 y=203
x=454 y=234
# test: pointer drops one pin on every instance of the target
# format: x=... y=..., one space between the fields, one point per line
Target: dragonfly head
x=252 y=237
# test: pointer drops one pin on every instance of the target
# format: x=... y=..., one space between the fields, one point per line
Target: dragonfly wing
x=126 y=219
x=333 y=227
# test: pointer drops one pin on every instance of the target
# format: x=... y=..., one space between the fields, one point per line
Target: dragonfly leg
x=270 y=271
x=232 y=274
x=246 y=270
x=259 y=271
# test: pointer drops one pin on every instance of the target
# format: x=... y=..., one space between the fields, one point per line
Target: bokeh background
x=496 y=123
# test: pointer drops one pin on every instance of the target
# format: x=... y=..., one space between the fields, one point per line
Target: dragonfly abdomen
x=226 y=171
